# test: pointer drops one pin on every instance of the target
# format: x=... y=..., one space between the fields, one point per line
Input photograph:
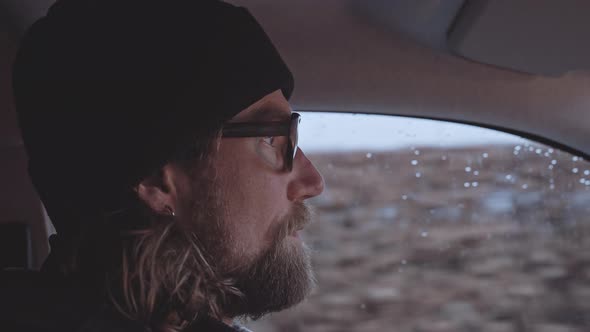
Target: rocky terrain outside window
x=439 y=227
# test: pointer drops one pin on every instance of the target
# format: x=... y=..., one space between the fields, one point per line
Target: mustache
x=300 y=216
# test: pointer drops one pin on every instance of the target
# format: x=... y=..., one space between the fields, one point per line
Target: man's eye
x=269 y=140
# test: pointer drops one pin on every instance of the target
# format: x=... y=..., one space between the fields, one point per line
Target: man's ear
x=161 y=190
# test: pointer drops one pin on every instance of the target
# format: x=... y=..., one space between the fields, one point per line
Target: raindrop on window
x=553 y=162
x=443 y=157
x=525 y=186
x=369 y=155
x=414 y=162
x=586 y=172
x=547 y=154
x=517 y=148
x=508 y=177
x=424 y=234
x=474 y=184
x=404 y=262
x=404 y=197
x=466 y=184
x=418 y=174
x=550 y=150
x=587 y=182
x=417 y=152
x=475 y=172
x=582 y=180
x=515 y=153
x=550 y=167
x=538 y=151
x=552 y=186
x=467 y=169
x=575 y=158
x=485 y=155
x=575 y=170
x=531 y=149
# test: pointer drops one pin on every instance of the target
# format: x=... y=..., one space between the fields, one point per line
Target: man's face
x=258 y=208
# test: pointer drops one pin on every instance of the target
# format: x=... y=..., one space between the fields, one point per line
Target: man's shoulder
x=32 y=302
x=40 y=302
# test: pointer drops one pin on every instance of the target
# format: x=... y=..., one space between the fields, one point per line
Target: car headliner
x=345 y=62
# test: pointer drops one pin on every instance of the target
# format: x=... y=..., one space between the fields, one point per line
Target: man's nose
x=307 y=181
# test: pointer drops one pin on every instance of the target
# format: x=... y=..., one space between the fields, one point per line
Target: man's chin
x=278 y=280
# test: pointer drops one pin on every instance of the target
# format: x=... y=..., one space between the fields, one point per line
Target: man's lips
x=295 y=233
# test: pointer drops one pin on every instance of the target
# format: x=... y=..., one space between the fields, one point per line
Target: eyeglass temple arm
x=255 y=129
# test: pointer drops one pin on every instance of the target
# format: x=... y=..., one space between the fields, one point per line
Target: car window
x=434 y=226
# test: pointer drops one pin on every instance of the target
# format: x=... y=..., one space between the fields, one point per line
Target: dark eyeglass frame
x=267 y=129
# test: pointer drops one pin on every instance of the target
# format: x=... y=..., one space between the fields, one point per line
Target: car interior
x=513 y=66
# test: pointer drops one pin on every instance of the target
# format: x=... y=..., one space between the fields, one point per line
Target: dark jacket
x=31 y=301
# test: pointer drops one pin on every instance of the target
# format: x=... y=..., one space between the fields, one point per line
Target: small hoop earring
x=170 y=211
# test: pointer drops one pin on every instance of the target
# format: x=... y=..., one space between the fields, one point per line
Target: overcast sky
x=333 y=131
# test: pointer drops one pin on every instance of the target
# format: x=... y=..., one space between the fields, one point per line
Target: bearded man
x=163 y=146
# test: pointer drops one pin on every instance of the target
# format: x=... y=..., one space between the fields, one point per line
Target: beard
x=278 y=277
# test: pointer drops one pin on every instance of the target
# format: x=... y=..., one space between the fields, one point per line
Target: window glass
x=434 y=226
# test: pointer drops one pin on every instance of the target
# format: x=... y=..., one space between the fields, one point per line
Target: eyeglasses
x=278 y=143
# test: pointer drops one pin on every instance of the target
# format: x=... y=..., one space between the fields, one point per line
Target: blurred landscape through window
x=429 y=226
